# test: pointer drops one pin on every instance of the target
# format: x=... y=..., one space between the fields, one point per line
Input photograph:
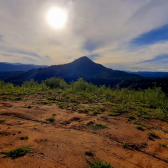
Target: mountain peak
x=83 y=60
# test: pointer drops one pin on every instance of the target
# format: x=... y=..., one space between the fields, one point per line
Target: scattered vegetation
x=51 y=119
x=148 y=103
x=15 y=153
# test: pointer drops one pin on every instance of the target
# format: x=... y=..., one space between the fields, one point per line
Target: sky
x=129 y=35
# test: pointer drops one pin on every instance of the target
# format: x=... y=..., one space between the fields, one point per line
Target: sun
x=57 y=17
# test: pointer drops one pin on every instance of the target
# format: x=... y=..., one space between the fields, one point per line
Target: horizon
x=129 y=36
x=17 y=63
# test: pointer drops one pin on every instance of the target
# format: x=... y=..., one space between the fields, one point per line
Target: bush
x=139 y=127
x=52 y=119
x=153 y=134
x=2 y=121
x=24 y=138
x=98 y=164
x=131 y=117
x=163 y=144
x=15 y=153
x=99 y=125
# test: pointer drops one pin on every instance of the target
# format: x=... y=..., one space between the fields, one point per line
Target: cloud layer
x=120 y=34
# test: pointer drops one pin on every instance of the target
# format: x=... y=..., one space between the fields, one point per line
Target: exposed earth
x=71 y=138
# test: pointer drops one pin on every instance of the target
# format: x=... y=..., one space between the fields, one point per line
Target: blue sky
x=128 y=35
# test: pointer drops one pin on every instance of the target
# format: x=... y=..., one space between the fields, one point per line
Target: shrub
x=98 y=164
x=114 y=114
x=131 y=117
x=24 y=138
x=51 y=119
x=153 y=134
x=15 y=153
x=2 y=121
x=163 y=144
x=104 y=117
x=99 y=125
x=139 y=127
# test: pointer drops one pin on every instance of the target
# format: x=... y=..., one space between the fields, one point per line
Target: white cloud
x=111 y=24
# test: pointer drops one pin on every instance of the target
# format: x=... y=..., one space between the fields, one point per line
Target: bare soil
x=66 y=142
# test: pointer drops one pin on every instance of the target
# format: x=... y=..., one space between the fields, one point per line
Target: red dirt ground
x=63 y=144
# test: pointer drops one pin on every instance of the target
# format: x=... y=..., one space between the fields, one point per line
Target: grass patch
x=145 y=144
x=104 y=117
x=154 y=135
x=100 y=126
x=24 y=138
x=29 y=106
x=139 y=127
x=98 y=164
x=51 y=119
x=163 y=144
x=114 y=114
x=2 y=121
x=15 y=153
x=131 y=117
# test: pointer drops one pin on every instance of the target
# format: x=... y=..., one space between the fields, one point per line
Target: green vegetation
x=163 y=144
x=29 y=106
x=153 y=134
x=98 y=164
x=139 y=127
x=15 y=153
x=99 y=126
x=148 y=103
x=104 y=117
x=2 y=121
x=131 y=117
x=51 y=119
x=145 y=144
x=24 y=138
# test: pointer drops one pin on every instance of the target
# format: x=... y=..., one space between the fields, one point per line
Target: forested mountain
x=80 y=68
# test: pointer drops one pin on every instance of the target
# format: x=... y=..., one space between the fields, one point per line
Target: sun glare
x=57 y=17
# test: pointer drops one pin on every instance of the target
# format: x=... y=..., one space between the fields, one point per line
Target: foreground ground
x=73 y=137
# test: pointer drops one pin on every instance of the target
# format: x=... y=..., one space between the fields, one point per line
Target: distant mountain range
x=82 y=67
x=8 y=67
x=151 y=74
